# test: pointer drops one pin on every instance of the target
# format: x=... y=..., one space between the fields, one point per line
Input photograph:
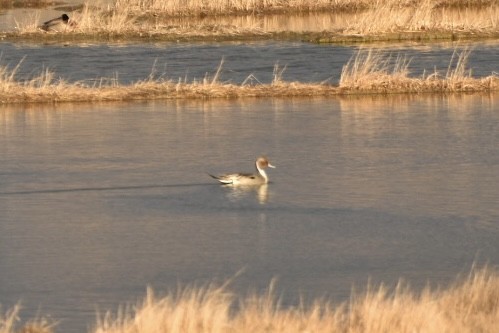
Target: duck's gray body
x=258 y=178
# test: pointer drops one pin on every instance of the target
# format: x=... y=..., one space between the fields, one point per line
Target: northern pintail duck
x=58 y=24
x=258 y=178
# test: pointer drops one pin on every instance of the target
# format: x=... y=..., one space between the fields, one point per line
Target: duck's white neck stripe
x=262 y=173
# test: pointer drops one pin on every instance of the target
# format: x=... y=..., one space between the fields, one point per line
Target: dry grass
x=470 y=305
x=231 y=7
x=9 y=322
x=373 y=72
x=25 y=3
x=91 y=19
x=103 y=21
x=366 y=72
x=425 y=15
x=146 y=18
x=46 y=88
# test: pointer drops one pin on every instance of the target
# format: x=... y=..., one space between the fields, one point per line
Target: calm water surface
x=305 y=62
x=99 y=201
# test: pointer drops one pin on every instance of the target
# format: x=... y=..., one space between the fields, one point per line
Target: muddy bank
x=312 y=37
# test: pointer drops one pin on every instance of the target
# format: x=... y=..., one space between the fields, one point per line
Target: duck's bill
x=271 y=166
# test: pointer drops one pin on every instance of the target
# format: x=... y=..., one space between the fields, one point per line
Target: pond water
x=99 y=201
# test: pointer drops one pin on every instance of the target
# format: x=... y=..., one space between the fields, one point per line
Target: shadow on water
x=99 y=189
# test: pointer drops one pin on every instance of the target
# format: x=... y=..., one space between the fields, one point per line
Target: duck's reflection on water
x=237 y=193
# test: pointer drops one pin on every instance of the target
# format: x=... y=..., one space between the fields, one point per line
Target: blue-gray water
x=185 y=61
x=98 y=201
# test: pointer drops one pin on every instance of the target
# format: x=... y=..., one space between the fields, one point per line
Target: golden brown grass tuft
x=91 y=19
x=231 y=7
x=10 y=320
x=471 y=305
x=190 y=310
x=96 y=20
x=370 y=71
x=425 y=15
x=468 y=305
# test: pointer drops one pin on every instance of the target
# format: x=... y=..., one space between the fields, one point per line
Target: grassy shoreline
x=469 y=304
x=367 y=72
x=368 y=21
x=235 y=36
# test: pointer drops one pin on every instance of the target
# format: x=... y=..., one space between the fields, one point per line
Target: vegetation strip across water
x=367 y=72
x=369 y=20
x=470 y=305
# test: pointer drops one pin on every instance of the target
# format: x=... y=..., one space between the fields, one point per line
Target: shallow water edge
x=310 y=37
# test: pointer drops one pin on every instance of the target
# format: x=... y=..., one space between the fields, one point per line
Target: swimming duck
x=258 y=178
x=58 y=24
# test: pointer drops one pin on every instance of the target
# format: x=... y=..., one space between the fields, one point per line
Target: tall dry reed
x=424 y=15
x=228 y=7
x=104 y=19
x=9 y=323
x=101 y=21
x=374 y=72
x=92 y=18
x=469 y=305
x=143 y=17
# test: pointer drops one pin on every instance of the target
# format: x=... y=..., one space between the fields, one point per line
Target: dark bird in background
x=60 y=23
